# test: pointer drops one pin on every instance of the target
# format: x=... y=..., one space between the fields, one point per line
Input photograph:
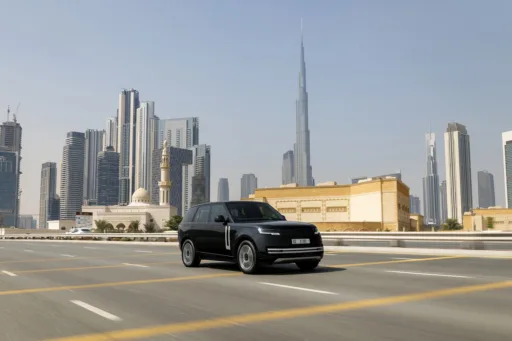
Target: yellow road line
x=116 y=284
x=86 y=267
x=228 y=321
x=61 y=259
x=392 y=262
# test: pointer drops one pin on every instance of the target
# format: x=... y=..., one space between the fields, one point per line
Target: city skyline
x=349 y=89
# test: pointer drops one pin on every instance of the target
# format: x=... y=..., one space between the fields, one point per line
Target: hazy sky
x=379 y=72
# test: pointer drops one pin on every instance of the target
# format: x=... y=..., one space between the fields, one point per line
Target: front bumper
x=292 y=255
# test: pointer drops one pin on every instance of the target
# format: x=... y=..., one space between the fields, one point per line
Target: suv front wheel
x=246 y=257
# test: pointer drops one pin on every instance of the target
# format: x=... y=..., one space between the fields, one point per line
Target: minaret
x=165 y=181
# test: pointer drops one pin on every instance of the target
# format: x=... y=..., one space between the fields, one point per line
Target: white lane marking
x=90 y=247
x=28 y=250
x=299 y=288
x=9 y=273
x=98 y=311
x=403 y=258
x=427 y=274
x=64 y=255
x=144 y=251
x=139 y=265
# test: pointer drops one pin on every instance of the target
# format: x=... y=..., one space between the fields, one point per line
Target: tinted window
x=251 y=211
x=202 y=214
x=190 y=214
x=216 y=210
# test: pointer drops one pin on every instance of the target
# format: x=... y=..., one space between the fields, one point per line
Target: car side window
x=190 y=215
x=216 y=210
x=202 y=214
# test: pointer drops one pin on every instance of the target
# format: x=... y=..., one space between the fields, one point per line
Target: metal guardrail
x=493 y=240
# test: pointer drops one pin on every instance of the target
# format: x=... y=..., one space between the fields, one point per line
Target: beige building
x=492 y=218
x=140 y=207
x=373 y=205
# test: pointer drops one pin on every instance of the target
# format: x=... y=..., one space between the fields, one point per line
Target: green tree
x=490 y=222
x=150 y=227
x=134 y=226
x=101 y=225
x=451 y=224
x=174 y=222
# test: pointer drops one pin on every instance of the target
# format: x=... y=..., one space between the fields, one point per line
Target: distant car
x=248 y=233
x=79 y=230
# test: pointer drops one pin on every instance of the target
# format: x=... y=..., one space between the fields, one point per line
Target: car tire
x=307 y=265
x=246 y=258
x=189 y=256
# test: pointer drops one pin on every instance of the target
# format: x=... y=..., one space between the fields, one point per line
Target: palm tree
x=134 y=226
x=451 y=224
x=101 y=225
x=149 y=227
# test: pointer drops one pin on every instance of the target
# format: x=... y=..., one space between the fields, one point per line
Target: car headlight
x=315 y=230
x=273 y=233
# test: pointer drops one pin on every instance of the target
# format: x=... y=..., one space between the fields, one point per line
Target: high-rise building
x=179 y=160
x=288 y=168
x=47 y=194
x=248 y=185
x=179 y=132
x=126 y=137
x=110 y=134
x=414 y=204
x=302 y=155
x=11 y=141
x=72 y=175
x=459 y=197
x=197 y=182
x=26 y=221
x=432 y=215
x=107 y=183
x=146 y=142
x=486 y=195
x=8 y=187
x=93 y=145
x=443 y=202
x=223 y=190
x=506 y=142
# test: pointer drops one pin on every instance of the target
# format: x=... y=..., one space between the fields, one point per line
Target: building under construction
x=10 y=170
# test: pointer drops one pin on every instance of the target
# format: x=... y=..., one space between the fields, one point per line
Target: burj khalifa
x=302 y=155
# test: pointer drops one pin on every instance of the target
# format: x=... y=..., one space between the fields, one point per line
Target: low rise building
x=372 y=205
x=492 y=218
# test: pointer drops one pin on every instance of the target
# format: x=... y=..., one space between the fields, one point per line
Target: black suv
x=249 y=233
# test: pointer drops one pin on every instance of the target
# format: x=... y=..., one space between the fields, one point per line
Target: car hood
x=278 y=224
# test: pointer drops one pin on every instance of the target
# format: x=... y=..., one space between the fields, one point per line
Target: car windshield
x=252 y=211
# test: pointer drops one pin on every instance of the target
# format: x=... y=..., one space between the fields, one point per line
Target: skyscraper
x=8 y=187
x=179 y=132
x=126 y=137
x=107 y=184
x=459 y=197
x=443 y=202
x=223 y=190
x=414 y=204
x=10 y=141
x=248 y=185
x=302 y=156
x=110 y=134
x=93 y=145
x=431 y=211
x=288 y=168
x=47 y=194
x=146 y=142
x=72 y=175
x=506 y=142
x=486 y=195
x=197 y=183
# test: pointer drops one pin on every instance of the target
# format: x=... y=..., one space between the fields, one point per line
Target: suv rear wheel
x=189 y=257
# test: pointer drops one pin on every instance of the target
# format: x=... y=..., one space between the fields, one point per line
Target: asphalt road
x=53 y=291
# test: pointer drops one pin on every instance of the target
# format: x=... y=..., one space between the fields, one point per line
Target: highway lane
x=115 y=287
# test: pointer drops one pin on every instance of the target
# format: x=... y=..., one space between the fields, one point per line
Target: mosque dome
x=141 y=196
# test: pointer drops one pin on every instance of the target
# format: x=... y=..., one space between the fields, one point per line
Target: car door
x=221 y=240
x=200 y=227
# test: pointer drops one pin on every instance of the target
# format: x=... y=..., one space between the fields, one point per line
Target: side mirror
x=220 y=219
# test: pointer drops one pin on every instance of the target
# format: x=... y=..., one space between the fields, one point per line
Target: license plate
x=300 y=241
